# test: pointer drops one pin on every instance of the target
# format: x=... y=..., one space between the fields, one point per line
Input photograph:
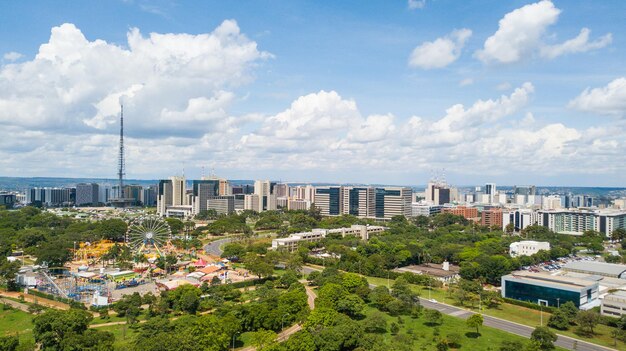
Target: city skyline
x=347 y=92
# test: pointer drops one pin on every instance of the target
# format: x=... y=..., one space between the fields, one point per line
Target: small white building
x=527 y=248
x=614 y=304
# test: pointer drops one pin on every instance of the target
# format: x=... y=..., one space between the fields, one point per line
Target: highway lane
x=508 y=326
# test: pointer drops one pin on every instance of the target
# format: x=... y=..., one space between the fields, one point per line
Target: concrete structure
x=550 y=290
x=265 y=190
x=445 y=272
x=51 y=197
x=614 y=304
x=438 y=193
x=424 y=209
x=597 y=268
x=329 y=200
x=87 y=194
x=7 y=200
x=491 y=217
x=222 y=204
x=490 y=191
x=171 y=192
x=466 y=212
x=291 y=242
x=293 y=204
x=577 y=221
x=359 y=201
x=521 y=218
x=527 y=247
x=201 y=191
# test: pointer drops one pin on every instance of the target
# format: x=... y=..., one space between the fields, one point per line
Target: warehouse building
x=597 y=268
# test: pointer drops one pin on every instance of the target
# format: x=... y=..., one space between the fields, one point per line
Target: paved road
x=511 y=327
x=214 y=247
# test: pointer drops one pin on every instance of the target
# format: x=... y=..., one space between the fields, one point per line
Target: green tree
x=475 y=321
x=511 y=345
x=263 y=339
x=375 y=323
x=52 y=327
x=394 y=329
x=618 y=234
x=570 y=310
x=433 y=317
x=544 y=337
x=559 y=320
x=587 y=320
x=9 y=343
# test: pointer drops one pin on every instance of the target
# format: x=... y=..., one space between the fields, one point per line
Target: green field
x=422 y=334
x=13 y=321
x=517 y=314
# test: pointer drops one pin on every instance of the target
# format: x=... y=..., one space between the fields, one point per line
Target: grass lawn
x=14 y=321
x=423 y=337
x=123 y=336
x=517 y=314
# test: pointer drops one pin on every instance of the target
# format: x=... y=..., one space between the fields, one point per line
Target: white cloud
x=374 y=128
x=416 y=4
x=12 y=56
x=441 y=52
x=520 y=35
x=76 y=84
x=503 y=86
x=609 y=100
x=579 y=44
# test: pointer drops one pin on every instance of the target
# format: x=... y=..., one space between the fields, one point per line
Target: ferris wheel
x=148 y=233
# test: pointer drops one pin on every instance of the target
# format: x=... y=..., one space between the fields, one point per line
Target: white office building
x=527 y=248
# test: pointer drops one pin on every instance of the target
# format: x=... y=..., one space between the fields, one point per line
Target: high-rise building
x=490 y=190
x=491 y=217
x=222 y=204
x=359 y=201
x=392 y=201
x=281 y=190
x=438 y=194
x=51 y=197
x=201 y=191
x=149 y=195
x=7 y=200
x=577 y=221
x=265 y=190
x=172 y=192
x=329 y=200
x=87 y=194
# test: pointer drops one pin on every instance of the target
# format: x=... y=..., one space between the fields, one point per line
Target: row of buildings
x=87 y=194
x=174 y=198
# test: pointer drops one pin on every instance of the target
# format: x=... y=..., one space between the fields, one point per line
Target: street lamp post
x=282 y=321
x=234 y=336
x=541 y=309
x=558 y=302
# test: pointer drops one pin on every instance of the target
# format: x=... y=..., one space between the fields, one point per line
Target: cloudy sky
x=513 y=92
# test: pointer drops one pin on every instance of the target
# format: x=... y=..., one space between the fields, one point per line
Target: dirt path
x=36 y=299
x=15 y=304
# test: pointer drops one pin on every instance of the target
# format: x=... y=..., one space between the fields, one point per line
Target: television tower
x=120 y=171
x=121 y=200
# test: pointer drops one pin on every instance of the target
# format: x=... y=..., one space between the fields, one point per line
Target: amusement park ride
x=149 y=236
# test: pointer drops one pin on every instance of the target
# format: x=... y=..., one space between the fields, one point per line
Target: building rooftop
x=553 y=280
x=602 y=268
x=430 y=269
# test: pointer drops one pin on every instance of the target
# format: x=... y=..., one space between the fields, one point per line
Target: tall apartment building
x=490 y=191
x=87 y=194
x=466 y=212
x=329 y=200
x=201 y=191
x=281 y=190
x=364 y=201
x=424 y=209
x=304 y=193
x=359 y=201
x=265 y=190
x=438 y=194
x=521 y=218
x=491 y=217
x=172 y=192
x=149 y=195
x=393 y=201
x=51 y=197
x=577 y=221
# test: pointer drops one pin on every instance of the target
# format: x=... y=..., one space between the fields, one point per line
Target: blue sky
x=343 y=91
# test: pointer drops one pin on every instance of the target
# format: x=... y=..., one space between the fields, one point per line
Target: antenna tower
x=120 y=170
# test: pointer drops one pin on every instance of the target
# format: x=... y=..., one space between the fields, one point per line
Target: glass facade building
x=549 y=290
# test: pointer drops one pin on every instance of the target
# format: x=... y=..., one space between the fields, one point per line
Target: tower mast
x=120 y=171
